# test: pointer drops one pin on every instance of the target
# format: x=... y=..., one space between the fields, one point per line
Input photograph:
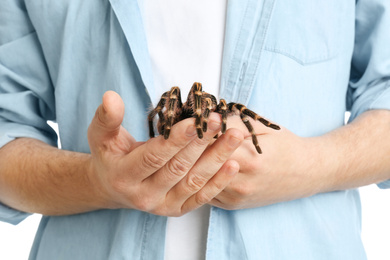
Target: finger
x=156 y=152
x=207 y=166
x=213 y=187
x=181 y=163
x=226 y=200
x=107 y=120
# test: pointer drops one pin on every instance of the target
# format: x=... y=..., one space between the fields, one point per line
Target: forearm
x=164 y=177
x=356 y=154
x=35 y=177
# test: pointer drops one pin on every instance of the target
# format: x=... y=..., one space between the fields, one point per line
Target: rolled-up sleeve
x=370 y=71
x=26 y=92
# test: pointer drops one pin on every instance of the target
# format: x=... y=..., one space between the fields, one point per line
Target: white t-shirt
x=185 y=42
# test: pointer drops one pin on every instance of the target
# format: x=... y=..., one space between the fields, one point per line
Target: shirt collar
x=130 y=19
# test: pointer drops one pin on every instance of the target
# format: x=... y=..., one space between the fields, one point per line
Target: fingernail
x=191 y=130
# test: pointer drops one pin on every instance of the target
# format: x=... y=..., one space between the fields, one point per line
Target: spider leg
x=154 y=112
x=173 y=105
x=253 y=115
x=245 y=120
x=209 y=105
x=249 y=126
x=222 y=109
x=197 y=91
x=244 y=113
x=206 y=113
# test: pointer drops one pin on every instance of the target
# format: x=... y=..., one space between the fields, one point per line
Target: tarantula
x=199 y=104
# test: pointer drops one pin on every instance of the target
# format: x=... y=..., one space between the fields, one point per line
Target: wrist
x=100 y=197
x=320 y=164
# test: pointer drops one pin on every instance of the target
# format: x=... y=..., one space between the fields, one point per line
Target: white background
x=15 y=241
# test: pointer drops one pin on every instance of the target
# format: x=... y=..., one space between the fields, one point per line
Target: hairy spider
x=199 y=104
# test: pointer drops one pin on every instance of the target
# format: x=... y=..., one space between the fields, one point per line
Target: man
x=105 y=195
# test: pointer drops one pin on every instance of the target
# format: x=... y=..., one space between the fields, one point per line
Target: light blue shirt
x=288 y=60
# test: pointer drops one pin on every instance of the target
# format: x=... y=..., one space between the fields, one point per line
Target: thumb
x=107 y=120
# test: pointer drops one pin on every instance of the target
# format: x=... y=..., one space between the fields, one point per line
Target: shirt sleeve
x=370 y=71
x=26 y=92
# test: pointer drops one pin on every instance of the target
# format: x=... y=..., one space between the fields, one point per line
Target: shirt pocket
x=305 y=30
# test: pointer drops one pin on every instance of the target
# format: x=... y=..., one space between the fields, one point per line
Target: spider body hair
x=199 y=105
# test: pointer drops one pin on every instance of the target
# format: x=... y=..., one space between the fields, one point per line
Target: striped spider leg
x=244 y=113
x=171 y=101
x=200 y=104
x=155 y=111
x=222 y=108
x=197 y=93
x=209 y=104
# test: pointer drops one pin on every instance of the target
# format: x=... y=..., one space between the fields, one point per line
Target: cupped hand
x=164 y=177
x=285 y=170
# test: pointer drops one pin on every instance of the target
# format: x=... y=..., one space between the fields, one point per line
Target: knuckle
x=202 y=198
x=178 y=166
x=195 y=182
x=152 y=160
x=219 y=158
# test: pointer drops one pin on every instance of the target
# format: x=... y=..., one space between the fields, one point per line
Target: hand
x=283 y=172
x=163 y=177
